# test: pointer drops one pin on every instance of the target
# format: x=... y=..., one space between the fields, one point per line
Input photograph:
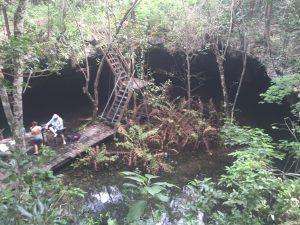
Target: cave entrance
x=205 y=82
x=62 y=94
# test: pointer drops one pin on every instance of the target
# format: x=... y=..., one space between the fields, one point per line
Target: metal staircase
x=116 y=106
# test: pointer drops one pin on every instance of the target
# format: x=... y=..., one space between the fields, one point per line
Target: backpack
x=73 y=137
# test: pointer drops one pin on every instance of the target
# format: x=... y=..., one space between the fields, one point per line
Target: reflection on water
x=104 y=199
x=104 y=188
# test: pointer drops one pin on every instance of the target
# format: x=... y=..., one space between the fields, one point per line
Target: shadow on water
x=104 y=191
x=63 y=95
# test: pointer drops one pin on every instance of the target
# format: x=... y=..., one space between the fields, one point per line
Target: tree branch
x=5 y=101
x=5 y=17
x=19 y=17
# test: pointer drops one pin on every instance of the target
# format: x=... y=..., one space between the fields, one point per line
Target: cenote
x=105 y=191
x=104 y=188
x=149 y=112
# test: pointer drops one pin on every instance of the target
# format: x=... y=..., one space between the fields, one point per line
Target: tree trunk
x=5 y=17
x=240 y=85
x=220 y=63
x=15 y=124
x=188 y=76
x=268 y=14
x=19 y=18
x=95 y=109
x=18 y=128
x=5 y=102
x=96 y=86
x=17 y=93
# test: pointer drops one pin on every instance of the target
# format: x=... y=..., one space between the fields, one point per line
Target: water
x=104 y=191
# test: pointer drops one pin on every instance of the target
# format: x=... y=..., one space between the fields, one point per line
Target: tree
x=14 y=107
x=98 y=36
x=185 y=35
x=218 y=35
x=28 y=47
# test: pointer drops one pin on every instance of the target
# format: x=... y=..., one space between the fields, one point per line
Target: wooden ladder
x=123 y=88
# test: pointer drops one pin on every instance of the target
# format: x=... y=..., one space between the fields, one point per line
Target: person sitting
x=37 y=140
x=56 y=126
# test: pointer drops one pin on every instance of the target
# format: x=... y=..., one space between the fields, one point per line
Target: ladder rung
x=122 y=86
x=121 y=94
x=119 y=70
x=119 y=98
x=114 y=60
x=116 y=67
x=115 y=117
x=114 y=112
x=122 y=91
x=120 y=104
x=115 y=64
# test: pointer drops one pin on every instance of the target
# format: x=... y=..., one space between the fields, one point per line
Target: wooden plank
x=91 y=135
x=138 y=84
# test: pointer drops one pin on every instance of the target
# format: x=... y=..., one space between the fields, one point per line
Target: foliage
x=39 y=47
x=171 y=127
x=135 y=140
x=149 y=194
x=46 y=153
x=249 y=192
x=55 y=31
x=288 y=88
x=32 y=195
x=178 y=125
x=95 y=156
x=281 y=88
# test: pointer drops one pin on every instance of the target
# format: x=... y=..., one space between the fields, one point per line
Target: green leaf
x=136 y=211
x=166 y=184
x=138 y=179
x=112 y=222
x=162 y=197
x=129 y=173
x=150 y=176
x=130 y=185
x=155 y=189
x=24 y=212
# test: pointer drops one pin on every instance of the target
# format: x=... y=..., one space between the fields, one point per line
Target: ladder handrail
x=127 y=87
x=110 y=54
x=123 y=60
x=110 y=97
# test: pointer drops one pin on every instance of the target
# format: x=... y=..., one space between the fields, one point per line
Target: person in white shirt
x=56 y=126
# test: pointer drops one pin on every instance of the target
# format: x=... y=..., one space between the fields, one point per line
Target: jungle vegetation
x=260 y=186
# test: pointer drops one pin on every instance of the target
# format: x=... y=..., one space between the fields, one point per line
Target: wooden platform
x=90 y=136
x=138 y=84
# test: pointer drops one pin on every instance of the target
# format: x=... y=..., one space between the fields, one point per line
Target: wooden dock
x=90 y=136
x=138 y=84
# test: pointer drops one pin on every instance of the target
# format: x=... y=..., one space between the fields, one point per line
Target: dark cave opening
x=62 y=93
x=205 y=82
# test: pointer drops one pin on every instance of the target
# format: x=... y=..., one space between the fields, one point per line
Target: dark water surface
x=104 y=188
